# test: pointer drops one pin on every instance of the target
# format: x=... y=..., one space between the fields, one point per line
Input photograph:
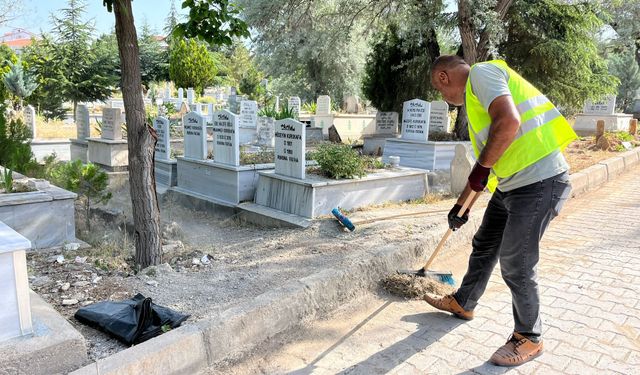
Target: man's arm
x=505 y=122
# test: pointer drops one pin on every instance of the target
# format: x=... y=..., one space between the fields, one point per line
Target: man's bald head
x=449 y=75
x=447 y=62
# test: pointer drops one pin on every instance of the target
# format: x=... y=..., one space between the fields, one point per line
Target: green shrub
x=339 y=161
x=7 y=180
x=284 y=113
x=15 y=147
x=309 y=107
x=268 y=112
x=371 y=163
x=206 y=100
x=86 y=180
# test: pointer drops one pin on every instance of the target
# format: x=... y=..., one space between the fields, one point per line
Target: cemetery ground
x=588 y=276
x=215 y=263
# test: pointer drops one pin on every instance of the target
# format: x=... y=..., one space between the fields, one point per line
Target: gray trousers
x=511 y=229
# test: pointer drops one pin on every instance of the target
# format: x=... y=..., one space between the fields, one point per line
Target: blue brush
x=443 y=277
x=343 y=219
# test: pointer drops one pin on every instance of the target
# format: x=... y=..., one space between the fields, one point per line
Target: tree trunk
x=467 y=32
x=482 y=52
x=461 y=127
x=141 y=143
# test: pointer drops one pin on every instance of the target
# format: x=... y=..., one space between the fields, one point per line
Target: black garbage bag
x=131 y=321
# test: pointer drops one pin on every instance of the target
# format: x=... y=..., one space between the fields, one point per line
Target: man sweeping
x=518 y=136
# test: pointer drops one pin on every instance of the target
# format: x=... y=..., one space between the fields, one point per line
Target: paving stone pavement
x=589 y=282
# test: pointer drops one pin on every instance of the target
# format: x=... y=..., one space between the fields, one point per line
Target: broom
x=444 y=277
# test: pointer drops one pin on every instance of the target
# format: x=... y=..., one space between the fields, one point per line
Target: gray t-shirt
x=488 y=82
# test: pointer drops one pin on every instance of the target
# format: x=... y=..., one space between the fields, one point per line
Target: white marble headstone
x=387 y=123
x=167 y=91
x=163 y=146
x=180 y=97
x=266 y=129
x=415 y=120
x=294 y=104
x=226 y=138
x=439 y=117
x=30 y=119
x=248 y=113
x=82 y=122
x=323 y=105
x=191 y=95
x=290 y=148
x=195 y=136
x=461 y=167
x=276 y=106
x=112 y=123
x=233 y=103
x=15 y=308
x=607 y=106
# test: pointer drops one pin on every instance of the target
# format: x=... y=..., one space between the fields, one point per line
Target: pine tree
x=84 y=80
x=19 y=82
x=171 y=21
x=41 y=57
x=191 y=65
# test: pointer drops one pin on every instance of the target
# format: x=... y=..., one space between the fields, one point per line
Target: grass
x=55 y=129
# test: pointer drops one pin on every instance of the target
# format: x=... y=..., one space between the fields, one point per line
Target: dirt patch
x=583 y=152
x=414 y=287
x=212 y=263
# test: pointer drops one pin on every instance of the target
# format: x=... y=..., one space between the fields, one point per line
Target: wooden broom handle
x=444 y=239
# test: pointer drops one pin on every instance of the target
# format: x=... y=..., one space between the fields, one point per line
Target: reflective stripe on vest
x=542 y=130
x=527 y=124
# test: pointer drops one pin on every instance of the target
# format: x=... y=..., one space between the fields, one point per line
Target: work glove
x=455 y=221
x=479 y=177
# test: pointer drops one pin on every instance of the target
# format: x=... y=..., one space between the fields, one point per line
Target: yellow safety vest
x=543 y=129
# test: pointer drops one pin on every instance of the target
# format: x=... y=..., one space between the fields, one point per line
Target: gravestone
x=294 y=105
x=323 y=105
x=191 y=95
x=439 y=117
x=15 y=316
x=82 y=122
x=277 y=105
x=180 y=97
x=163 y=146
x=167 y=91
x=226 y=138
x=266 y=130
x=633 y=126
x=415 y=120
x=290 y=148
x=387 y=123
x=352 y=104
x=184 y=109
x=248 y=113
x=30 y=119
x=112 y=124
x=233 y=103
x=607 y=106
x=461 y=166
x=195 y=136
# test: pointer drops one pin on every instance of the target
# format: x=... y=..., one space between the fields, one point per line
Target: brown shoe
x=516 y=351
x=448 y=303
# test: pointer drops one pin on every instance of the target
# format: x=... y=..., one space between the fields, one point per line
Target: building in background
x=17 y=39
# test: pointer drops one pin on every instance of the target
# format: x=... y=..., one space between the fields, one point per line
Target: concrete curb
x=599 y=174
x=236 y=332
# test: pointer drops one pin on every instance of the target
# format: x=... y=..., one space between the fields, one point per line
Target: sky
x=36 y=14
